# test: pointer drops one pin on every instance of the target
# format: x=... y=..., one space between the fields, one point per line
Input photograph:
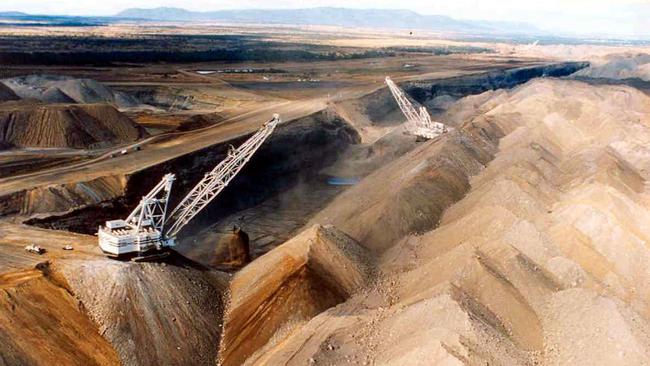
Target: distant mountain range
x=12 y=14
x=367 y=18
x=25 y=19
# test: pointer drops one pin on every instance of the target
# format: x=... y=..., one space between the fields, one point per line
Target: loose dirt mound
x=619 y=67
x=25 y=124
x=533 y=242
x=151 y=313
x=68 y=197
x=278 y=292
x=538 y=261
x=42 y=324
x=7 y=94
x=63 y=89
x=55 y=95
x=411 y=193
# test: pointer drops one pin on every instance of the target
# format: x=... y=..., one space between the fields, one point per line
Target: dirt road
x=166 y=146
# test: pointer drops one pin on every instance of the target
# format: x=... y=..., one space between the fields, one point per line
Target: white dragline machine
x=419 y=122
x=149 y=229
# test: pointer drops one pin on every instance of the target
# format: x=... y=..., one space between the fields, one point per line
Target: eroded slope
x=41 y=324
x=151 y=313
x=26 y=124
x=64 y=89
x=78 y=307
x=541 y=259
x=280 y=291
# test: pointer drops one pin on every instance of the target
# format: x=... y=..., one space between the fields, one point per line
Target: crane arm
x=405 y=105
x=215 y=181
x=153 y=206
x=418 y=120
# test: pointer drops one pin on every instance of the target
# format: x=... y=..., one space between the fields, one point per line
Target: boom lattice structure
x=215 y=181
x=152 y=207
x=419 y=121
x=149 y=227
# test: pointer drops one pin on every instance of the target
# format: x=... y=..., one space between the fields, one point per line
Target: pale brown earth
x=42 y=324
x=575 y=52
x=166 y=146
x=540 y=260
x=285 y=288
x=279 y=218
x=151 y=313
x=81 y=308
x=200 y=121
x=518 y=238
x=619 y=67
x=60 y=89
x=25 y=124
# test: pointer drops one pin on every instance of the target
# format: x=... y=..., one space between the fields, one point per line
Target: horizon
x=627 y=18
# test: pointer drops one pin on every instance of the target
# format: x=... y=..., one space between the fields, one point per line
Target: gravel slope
x=25 y=124
x=520 y=239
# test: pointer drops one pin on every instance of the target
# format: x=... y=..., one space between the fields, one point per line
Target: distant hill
x=369 y=18
x=12 y=14
x=16 y=18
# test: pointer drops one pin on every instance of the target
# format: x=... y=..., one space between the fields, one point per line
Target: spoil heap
x=64 y=89
x=283 y=289
x=25 y=124
x=619 y=67
x=520 y=239
x=151 y=313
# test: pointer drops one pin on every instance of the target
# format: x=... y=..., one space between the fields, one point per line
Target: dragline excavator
x=148 y=229
x=419 y=122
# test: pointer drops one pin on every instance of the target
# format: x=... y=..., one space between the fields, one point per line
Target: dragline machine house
x=419 y=122
x=149 y=227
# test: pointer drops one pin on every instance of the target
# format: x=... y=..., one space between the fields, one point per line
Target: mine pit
x=285 y=170
x=349 y=236
x=306 y=164
x=365 y=187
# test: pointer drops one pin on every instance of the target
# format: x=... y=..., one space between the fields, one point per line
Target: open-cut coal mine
x=242 y=194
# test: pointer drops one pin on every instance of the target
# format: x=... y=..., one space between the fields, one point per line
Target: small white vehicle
x=68 y=247
x=33 y=248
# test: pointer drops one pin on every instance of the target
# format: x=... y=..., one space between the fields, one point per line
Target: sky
x=579 y=17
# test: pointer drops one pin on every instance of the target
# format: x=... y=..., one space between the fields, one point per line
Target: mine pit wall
x=381 y=108
x=64 y=198
x=375 y=212
x=296 y=151
x=636 y=83
x=406 y=196
x=390 y=214
x=314 y=271
x=421 y=186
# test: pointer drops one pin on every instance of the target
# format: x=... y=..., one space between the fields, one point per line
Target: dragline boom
x=216 y=180
x=419 y=122
x=149 y=227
